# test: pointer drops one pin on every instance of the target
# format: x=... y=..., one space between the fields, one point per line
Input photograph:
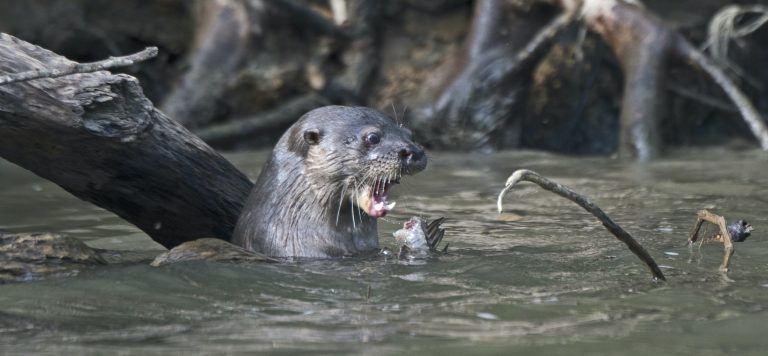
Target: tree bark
x=98 y=137
x=478 y=108
x=642 y=42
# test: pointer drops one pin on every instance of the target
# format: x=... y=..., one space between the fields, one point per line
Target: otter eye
x=372 y=138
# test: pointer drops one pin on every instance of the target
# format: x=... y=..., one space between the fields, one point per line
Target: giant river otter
x=326 y=183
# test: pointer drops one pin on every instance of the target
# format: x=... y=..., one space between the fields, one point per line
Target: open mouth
x=373 y=198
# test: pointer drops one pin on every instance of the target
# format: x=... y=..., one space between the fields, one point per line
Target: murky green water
x=550 y=281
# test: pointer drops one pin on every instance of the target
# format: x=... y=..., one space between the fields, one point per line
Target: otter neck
x=302 y=215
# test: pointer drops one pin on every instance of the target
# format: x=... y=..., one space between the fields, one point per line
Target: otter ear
x=312 y=136
x=300 y=140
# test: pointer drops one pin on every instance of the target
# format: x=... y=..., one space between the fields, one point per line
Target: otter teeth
x=374 y=199
x=380 y=206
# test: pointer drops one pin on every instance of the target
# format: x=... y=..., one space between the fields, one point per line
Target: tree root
x=565 y=192
x=476 y=110
x=686 y=50
x=643 y=43
x=220 y=48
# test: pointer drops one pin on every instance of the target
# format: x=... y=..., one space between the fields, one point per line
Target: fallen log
x=97 y=136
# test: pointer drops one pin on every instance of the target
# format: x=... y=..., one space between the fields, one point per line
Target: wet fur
x=302 y=204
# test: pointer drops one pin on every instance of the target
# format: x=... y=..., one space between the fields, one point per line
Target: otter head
x=355 y=154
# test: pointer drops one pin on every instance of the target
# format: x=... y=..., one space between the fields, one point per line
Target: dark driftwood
x=98 y=137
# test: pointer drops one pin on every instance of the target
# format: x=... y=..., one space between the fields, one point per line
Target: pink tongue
x=378 y=206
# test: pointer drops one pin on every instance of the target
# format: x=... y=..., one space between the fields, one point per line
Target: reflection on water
x=545 y=279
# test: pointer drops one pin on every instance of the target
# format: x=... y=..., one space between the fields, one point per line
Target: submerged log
x=97 y=136
x=31 y=256
x=208 y=249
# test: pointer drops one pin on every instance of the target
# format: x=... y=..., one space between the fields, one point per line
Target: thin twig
x=565 y=192
x=75 y=67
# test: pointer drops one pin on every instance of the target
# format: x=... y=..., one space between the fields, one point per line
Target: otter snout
x=413 y=159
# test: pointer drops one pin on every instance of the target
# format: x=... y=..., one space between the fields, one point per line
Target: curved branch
x=565 y=192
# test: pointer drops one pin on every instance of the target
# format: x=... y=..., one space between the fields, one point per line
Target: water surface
x=545 y=279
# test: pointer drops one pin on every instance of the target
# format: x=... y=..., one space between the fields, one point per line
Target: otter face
x=390 y=153
x=357 y=154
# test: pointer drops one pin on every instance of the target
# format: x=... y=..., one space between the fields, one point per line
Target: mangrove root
x=220 y=47
x=565 y=192
x=478 y=109
x=643 y=43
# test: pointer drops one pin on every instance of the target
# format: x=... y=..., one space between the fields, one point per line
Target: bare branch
x=565 y=192
x=74 y=67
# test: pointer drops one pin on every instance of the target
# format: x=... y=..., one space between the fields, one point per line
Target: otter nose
x=406 y=154
x=413 y=158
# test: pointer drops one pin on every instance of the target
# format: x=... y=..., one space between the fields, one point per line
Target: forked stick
x=565 y=192
x=704 y=215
